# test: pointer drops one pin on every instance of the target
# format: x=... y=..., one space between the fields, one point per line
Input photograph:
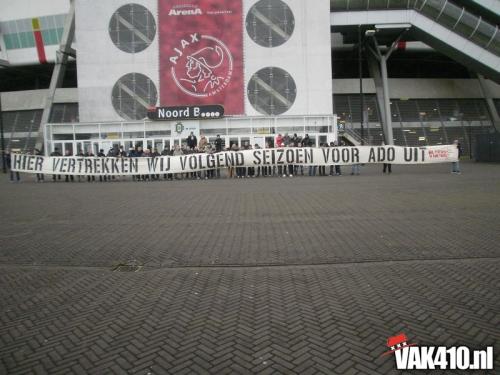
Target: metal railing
x=444 y=12
x=353 y=136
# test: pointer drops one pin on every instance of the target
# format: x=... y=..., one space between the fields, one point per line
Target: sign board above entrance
x=205 y=112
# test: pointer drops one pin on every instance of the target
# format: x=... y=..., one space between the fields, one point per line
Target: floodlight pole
x=2 y=139
x=384 y=79
x=361 y=96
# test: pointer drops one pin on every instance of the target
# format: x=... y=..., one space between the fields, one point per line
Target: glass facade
x=64 y=112
x=19 y=33
x=417 y=121
x=21 y=129
x=444 y=12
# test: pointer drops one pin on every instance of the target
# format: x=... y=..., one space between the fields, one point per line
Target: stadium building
x=82 y=74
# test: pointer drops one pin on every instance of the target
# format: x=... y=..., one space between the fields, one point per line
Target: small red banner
x=201 y=53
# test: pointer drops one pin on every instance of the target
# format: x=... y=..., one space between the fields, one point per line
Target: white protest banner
x=109 y=166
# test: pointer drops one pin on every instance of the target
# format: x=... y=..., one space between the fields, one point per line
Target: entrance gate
x=245 y=131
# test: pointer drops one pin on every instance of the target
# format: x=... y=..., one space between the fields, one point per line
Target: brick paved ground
x=302 y=275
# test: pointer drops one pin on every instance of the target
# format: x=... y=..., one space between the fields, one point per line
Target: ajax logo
x=202 y=66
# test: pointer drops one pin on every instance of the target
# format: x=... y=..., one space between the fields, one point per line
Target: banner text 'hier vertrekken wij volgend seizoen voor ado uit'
x=79 y=165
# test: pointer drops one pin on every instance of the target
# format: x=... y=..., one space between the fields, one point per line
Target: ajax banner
x=107 y=166
x=201 y=53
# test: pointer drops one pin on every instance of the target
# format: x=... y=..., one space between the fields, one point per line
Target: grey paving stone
x=309 y=275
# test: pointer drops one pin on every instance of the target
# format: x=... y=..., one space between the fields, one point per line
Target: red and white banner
x=201 y=53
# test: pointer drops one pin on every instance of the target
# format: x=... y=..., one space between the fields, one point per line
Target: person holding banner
x=455 y=166
x=231 y=171
x=39 y=176
x=338 y=171
x=387 y=166
x=203 y=143
x=177 y=152
x=258 y=170
x=67 y=154
x=8 y=164
x=245 y=161
x=279 y=140
x=355 y=169
x=101 y=154
x=89 y=154
x=306 y=142
x=297 y=143
x=167 y=152
x=269 y=171
x=55 y=153
x=322 y=168
x=80 y=154
x=332 y=167
x=250 y=170
x=210 y=174
x=147 y=154
x=155 y=154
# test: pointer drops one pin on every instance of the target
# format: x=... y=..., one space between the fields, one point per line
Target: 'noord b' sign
x=204 y=112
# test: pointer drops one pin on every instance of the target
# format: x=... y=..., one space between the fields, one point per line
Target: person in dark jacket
x=132 y=153
x=113 y=153
x=89 y=154
x=322 y=168
x=387 y=166
x=39 y=176
x=166 y=152
x=55 y=153
x=455 y=166
x=80 y=155
x=122 y=153
x=68 y=177
x=101 y=154
x=306 y=142
x=218 y=143
x=192 y=141
x=146 y=154
x=338 y=171
x=155 y=154
x=8 y=164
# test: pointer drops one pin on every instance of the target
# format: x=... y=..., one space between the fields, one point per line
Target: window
x=64 y=112
x=132 y=28
x=270 y=23
x=21 y=129
x=132 y=96
x=272 y=91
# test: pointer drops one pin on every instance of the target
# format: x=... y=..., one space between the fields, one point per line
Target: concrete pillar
x=375 y=73
x=490 y=103
x=388 y=134
x=63 y=53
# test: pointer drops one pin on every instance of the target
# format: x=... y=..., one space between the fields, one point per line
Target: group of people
x=192 y=146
